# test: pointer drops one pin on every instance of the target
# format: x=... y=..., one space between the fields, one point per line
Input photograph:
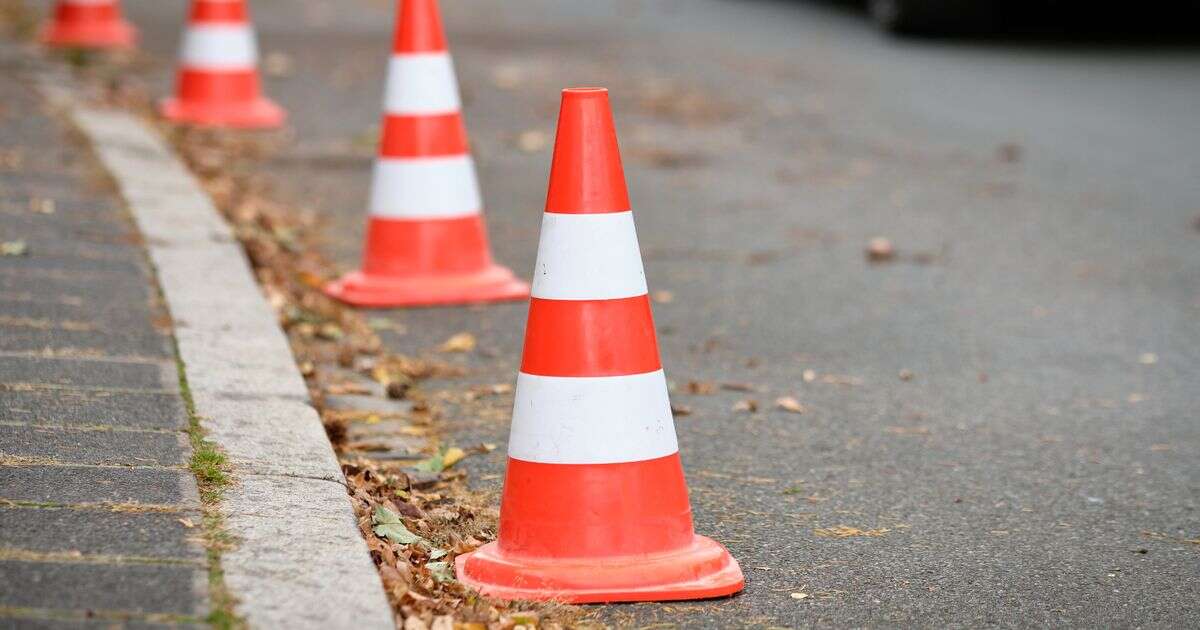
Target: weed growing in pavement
x=210 y=466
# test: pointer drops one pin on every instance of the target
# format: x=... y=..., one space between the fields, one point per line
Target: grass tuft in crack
x=210 y=466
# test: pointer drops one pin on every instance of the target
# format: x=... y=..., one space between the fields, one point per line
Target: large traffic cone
x=426 y=240
x=595 y=506
x=218 y=82
x=88 y=24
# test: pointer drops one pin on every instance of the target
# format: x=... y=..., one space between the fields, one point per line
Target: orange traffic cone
x=426 y=240
x=88 y=24
x=218 y=83
x=595 y=506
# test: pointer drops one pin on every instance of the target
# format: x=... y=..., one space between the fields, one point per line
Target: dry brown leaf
x=701 y=388
x=789 y=404
x=746 y=406
x=462 y=342
x=663 y=297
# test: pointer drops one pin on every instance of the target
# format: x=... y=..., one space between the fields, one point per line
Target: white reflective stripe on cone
x=219 y=47
x=421 y=84
x=425 y=188
x=588 y=257
x=592 y=419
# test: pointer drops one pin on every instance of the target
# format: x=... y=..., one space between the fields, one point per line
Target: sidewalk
x=99 y=513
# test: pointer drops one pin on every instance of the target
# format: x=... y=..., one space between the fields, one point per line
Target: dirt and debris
x=845 y=531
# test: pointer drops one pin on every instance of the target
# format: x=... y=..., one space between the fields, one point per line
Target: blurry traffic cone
x=595 y=506
x=88 y=24
x=218 y=82
x=426 y=241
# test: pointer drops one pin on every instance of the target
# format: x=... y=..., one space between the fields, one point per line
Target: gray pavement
x=99 y=513
x=1039 y=466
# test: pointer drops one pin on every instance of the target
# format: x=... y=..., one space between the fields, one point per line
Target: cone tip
x=574 y=93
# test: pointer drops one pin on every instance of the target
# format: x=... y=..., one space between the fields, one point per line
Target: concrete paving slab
x=58 y=407
x=84 y=484
x=142 y=588
x=95 y=340
x=101 y=532
x=92 y=373
x=93 y=447
x=104 y=316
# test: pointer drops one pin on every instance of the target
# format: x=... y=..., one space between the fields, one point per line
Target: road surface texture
x=99 y=514
x=1036 y=465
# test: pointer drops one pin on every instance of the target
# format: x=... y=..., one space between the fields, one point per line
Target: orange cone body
x=218 y=83
x=426 y=240
x=595 y=506
x=88 y=24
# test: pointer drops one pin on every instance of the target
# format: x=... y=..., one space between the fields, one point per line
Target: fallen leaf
x=1148 y=358
x=809 y=376
x=442 y=460
x=388 y=525
x=440 y=571
x=799 y=596
x=836 y=379
x=434 y=554
x=700 y=388
x=462 y=342
x=789 y=404
x=879 y=249
x=844 y=531
x=663 y=297
x=452 y=456
x=739 y=387
x=14 y=248
x=532 y=140
x=906 y=375
x=680 y=410
x=187 y=522
x=746 y=406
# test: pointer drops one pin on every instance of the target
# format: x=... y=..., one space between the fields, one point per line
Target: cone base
x=260 y=113
x=119 y=34
x=701 y=571
x=494 y=284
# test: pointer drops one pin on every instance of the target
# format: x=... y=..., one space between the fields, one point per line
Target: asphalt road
x=1039 y=468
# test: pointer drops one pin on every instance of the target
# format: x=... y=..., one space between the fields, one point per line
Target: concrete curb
x=299 y=561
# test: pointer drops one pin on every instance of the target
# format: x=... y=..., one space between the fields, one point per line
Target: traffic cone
x=595 y=506
x=88 y=24
x=426 y=241
x=218 y=82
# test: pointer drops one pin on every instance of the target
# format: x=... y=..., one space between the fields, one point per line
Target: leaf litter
x=415 y=518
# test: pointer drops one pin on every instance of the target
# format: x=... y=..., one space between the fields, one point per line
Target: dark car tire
x=930 y=17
